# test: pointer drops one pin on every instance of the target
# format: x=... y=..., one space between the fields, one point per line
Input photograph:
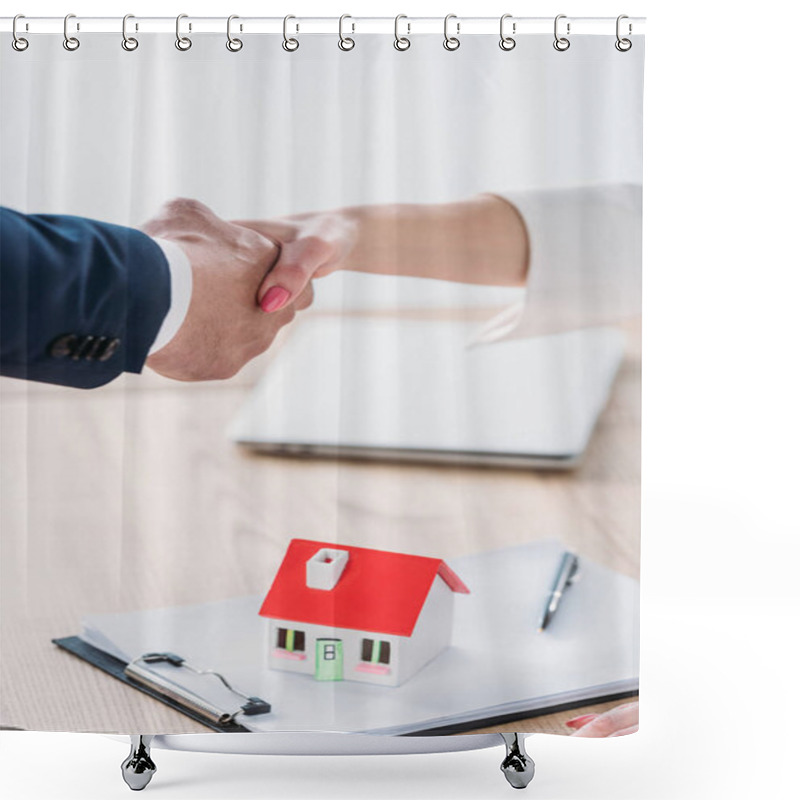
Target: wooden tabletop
x=131 y=496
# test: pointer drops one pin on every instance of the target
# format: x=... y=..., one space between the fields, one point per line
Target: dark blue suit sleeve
x=80 y=301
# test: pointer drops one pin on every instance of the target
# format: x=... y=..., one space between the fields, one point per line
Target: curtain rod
x=324 y=25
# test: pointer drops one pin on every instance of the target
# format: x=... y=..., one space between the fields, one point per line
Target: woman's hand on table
x=619 y=721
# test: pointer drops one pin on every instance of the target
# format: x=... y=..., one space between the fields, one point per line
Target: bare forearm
x=481 y=240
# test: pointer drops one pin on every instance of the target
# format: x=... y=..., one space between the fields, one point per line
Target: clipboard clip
x=139 y=670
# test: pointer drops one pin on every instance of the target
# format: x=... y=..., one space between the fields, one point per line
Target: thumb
x=296 y=265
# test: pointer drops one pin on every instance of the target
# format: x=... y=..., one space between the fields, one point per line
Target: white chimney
x=325 y=567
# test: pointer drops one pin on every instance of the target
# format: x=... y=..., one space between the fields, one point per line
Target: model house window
x=293 y=641
x=375 y=651
x=329 y=652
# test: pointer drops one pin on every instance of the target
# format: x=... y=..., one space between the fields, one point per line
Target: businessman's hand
x=224 y=327
x=311 y=245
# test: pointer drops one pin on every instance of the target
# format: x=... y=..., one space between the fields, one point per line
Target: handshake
x=248 y=281
x=250 y=278
x=245 y=280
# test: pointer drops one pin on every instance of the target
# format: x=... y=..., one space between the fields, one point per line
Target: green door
x=329 y=660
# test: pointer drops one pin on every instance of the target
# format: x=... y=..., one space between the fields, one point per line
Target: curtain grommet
x=451 y=43
x=129 y=43
x=623 y=44
x=401 y=43
x=561 y=43
x=289 y=44
x=346 y=43
x=70 y=43
x=183 y=43
x=233 y=44
x=507 y=43
x=19 y=43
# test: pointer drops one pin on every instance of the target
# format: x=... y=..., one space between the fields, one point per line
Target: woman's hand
x=311 y=245
x=619 y=721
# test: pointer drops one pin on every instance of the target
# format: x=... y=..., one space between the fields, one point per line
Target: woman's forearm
x=481 y=240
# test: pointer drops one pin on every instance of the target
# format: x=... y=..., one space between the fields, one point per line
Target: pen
x=565 y=574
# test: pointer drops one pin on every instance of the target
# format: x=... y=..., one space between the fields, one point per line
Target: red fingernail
x=274 y=299
x=579 y=722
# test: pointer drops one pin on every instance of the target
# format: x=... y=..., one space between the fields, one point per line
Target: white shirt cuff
x=180 y=271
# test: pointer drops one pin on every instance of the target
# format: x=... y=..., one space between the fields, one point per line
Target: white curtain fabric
x=110 y=134
x=110 y=504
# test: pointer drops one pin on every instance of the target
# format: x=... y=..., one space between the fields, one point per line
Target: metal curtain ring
x=561 y=43
x=451 y=42
x=70 y=42
x=507 y=42
x=290 y=44
x=182 y=42
x=401 y=42
x=19 y=43
x=129 y=43
x=233 y=44
x=622 y=44
x=346 y=42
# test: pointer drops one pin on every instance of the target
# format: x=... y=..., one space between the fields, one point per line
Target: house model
x=351 y=613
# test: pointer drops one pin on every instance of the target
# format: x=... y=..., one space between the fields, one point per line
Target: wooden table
x=131 y=496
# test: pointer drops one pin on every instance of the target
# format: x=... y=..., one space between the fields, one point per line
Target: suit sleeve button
x=83 y=348
x=111 y=347
x=98 y=345
x=64 y=346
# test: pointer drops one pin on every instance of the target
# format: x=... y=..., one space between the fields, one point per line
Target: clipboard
x=139 y=675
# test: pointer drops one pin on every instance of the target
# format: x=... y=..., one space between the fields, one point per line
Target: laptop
x=410 y=390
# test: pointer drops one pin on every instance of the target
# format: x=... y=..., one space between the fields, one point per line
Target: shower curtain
x=321 y=362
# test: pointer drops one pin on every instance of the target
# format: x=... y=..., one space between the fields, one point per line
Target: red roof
x=378 y=591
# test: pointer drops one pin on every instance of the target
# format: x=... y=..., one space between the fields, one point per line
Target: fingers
x=618 y=721
x=272 y=323
x=578 y=722
x=296 y=265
